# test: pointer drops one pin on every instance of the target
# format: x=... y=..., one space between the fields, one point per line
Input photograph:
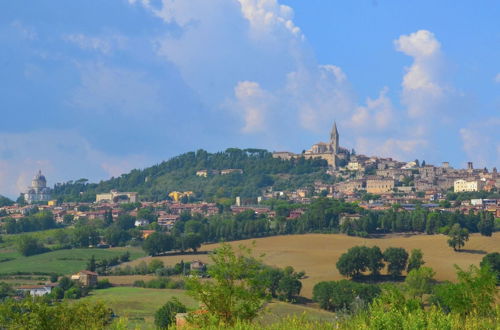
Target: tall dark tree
x=91 y=265
x=486 y=224
x=396 y=259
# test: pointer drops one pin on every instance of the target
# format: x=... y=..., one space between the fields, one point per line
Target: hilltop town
x=374 y=183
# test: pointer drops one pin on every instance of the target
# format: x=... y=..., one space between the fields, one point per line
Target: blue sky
x=92 y=88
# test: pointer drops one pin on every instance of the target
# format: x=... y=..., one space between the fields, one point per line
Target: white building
x=462 y=185
x=38 y=192
x=37 y=290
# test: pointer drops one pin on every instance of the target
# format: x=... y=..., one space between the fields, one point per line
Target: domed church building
x=38 y=192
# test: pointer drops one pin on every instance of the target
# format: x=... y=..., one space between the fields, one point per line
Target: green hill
x=4 y=201
x=259 y=168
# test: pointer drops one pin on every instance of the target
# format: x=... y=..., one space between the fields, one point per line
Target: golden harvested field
x=317 y=254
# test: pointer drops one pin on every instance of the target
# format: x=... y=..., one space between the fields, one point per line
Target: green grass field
x=138 y=305
x=61 y=261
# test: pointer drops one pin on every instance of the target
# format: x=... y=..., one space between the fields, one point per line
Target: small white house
x=141 y=222
x=37 y=290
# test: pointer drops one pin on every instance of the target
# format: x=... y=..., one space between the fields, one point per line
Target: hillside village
x=374 y=183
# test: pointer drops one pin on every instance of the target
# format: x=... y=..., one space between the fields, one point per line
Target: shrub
x=165 y=316
x=103 y=284
x=338 y=295
x=139 y=284
x=73 y=293
x=29 y=245
x=493 y=261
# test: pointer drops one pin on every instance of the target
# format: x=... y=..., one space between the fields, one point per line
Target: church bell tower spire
x=334 y=139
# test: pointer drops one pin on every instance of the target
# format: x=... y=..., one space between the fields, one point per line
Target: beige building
x=85 y=277
x=349 y=186
x=462 y=185
x=354 y=166
x=379 y=186
x=117 y=197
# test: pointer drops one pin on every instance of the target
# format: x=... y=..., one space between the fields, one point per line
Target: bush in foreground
x=36 y=313
x=165 y=316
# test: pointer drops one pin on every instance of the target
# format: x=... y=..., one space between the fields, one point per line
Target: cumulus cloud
x=422 y=88
x=319 y=95
x=254 y=102
x=253 y=51
x=266 y=15
x=60 y=154
x=377 y=115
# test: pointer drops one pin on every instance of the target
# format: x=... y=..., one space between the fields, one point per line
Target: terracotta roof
x=87 y=272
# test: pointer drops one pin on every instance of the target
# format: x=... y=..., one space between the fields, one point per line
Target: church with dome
x=38 y=192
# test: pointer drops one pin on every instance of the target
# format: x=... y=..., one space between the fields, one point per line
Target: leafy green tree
x=158 y=243
x=353 y=262
x=6 y=290
x=62 y=237
x=416 y=260
x=65 y=283
x=125 y=222
x=116 y=236
x=375 y=260
x=420 y=281
x=191 y=241
x=154 y=265
x=337 y=295
x=125 y=257
x=396 y=259
x=493 y=261
x=289 y=284
x=85 y=236
x=29 y=245
x=37 y=313
x=457 y=237
x=475 y=292
x=230 y=295
x=486 y=224
x=165 y=316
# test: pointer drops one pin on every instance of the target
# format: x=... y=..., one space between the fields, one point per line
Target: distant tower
x=334 y=139
x=469 y=166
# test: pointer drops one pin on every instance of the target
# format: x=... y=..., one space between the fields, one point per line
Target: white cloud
x=377 y=115
x=250 y=55
x=60 y=154
x=107 y=89
x=27 y=32
x=254 y=102
x=481 y=142
x=497 y=78
x=266 y=15
x=402 y=149
x=422 y=88
x=319 y=94
x=100 y=44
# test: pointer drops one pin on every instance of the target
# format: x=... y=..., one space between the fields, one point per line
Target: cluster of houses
x=85 y=278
